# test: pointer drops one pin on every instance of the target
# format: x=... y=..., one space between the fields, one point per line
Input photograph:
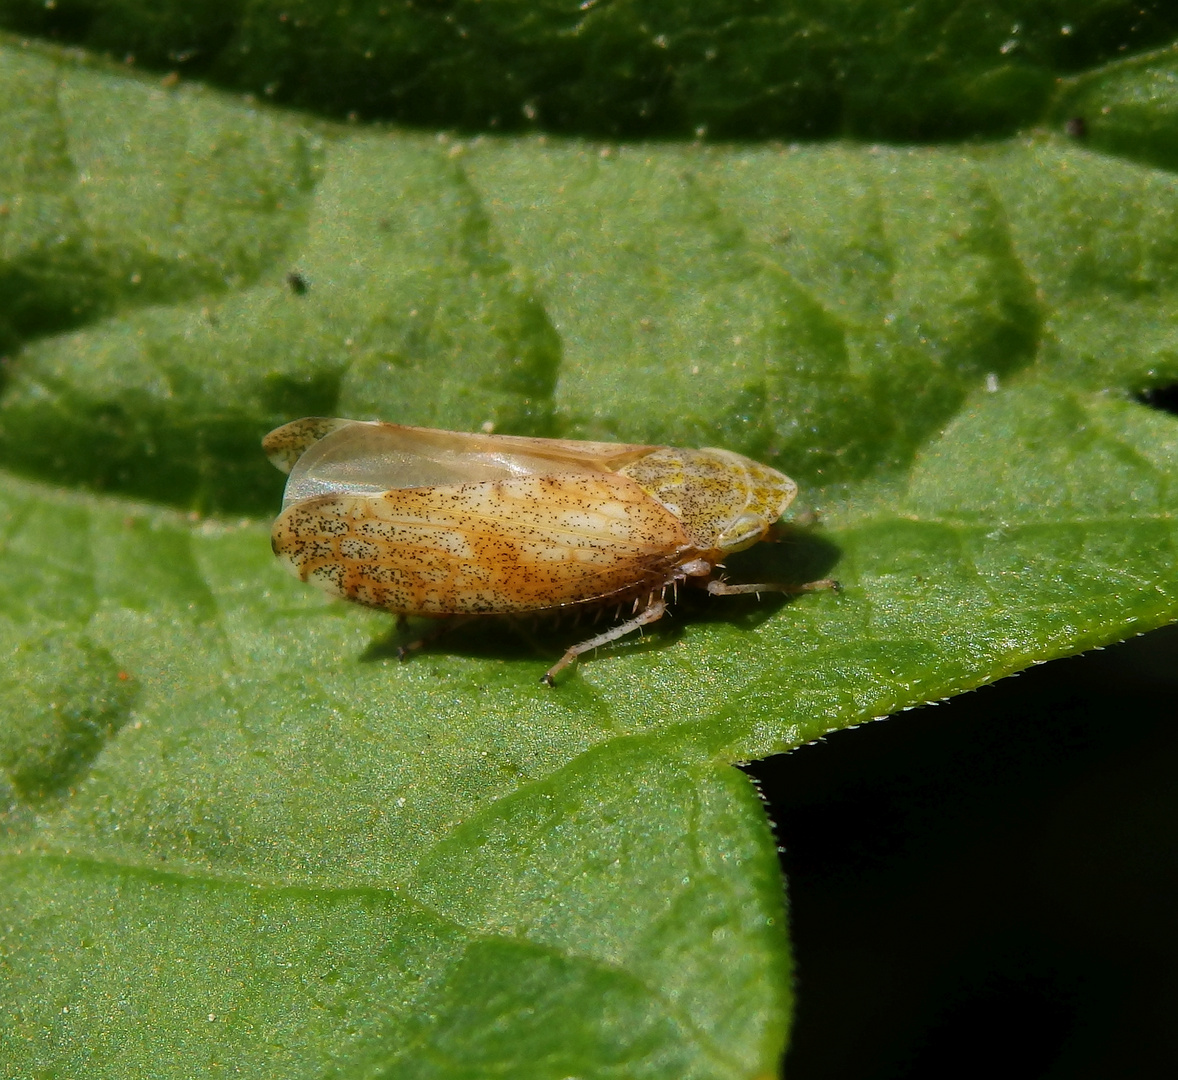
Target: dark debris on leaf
x=1162 y=398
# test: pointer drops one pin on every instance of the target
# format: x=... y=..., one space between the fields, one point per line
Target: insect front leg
x=722 y=588
x=654 y=610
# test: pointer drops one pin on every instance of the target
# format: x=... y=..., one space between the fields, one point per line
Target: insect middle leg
x=654 y=610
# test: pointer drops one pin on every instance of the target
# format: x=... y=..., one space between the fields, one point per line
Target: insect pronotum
x=439 y=523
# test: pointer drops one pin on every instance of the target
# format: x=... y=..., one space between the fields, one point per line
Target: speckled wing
x=285 y=445
x=522 y=544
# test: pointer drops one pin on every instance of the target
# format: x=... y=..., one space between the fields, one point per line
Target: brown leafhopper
x=439 y=523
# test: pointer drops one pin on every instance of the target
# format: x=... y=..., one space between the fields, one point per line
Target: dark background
x=986 y=888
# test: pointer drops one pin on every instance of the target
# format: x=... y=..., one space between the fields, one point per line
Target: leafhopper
x=440 y=523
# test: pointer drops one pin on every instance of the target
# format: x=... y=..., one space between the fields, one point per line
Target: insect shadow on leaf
x=799 y=556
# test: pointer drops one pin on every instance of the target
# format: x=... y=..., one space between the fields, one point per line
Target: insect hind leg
x=655 y=608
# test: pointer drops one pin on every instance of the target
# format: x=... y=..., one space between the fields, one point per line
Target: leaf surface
x=237 y=830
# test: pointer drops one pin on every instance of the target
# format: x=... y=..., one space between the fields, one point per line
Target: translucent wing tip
x=285 y=445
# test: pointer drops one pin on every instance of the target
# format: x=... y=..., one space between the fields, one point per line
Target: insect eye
x=745 y=531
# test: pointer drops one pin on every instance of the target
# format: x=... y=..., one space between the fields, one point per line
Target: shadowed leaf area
x=930 y=69
x=234 y=829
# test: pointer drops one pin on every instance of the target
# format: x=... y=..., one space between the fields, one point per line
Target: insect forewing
x=370 y=457
x=527 y=543
x=285 y=445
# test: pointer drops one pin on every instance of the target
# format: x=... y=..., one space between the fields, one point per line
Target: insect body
x=424 y=522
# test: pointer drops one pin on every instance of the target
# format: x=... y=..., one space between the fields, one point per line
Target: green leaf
x=1129 y=109
x=236 y=830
